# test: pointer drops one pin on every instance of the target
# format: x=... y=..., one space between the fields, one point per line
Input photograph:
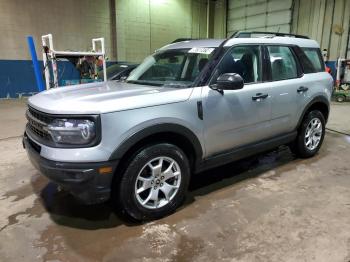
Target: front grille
x=37 y=123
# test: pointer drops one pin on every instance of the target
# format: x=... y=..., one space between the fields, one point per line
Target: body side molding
x=245 y=151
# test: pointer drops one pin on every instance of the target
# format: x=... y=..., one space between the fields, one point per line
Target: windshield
x=171 y=68
x=112 y=70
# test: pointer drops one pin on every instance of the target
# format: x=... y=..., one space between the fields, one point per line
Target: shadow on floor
x=65 y=210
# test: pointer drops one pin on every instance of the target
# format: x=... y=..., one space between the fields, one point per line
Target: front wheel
x=340 y=98
x=154 y=183
x=310 y=135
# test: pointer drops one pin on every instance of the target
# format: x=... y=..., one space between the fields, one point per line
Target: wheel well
x=163 y=137
x=322 y=107
x=341 y=95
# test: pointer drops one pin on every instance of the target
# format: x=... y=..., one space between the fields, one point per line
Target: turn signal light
x=105 y=170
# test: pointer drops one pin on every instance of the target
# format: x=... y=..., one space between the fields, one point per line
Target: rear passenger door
x=286 y=84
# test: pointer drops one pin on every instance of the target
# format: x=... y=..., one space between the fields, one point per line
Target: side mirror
x=229 y=81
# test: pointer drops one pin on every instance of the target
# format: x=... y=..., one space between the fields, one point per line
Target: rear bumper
x=83 y=180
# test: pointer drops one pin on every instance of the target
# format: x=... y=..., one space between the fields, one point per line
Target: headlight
x=72 y=131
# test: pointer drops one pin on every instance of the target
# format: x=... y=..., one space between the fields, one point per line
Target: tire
x=340 y=98
x=141 y=191
x=310 y=135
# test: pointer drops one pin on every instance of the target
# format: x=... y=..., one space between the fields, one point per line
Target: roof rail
x=248 y=34
x=182 y=39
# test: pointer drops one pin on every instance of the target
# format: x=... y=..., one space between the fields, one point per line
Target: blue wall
x=17 y=77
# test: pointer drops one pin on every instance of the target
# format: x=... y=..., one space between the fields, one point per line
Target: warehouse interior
x=271 y=206
x=134 y=29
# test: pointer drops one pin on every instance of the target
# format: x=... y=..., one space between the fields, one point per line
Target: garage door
x=259 y=15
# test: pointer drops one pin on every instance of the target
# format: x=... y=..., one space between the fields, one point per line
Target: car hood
x=105 y=97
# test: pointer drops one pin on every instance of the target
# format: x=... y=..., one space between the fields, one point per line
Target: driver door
x=237 y=117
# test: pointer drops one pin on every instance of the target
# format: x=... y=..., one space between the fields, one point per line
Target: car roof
x=302 y=42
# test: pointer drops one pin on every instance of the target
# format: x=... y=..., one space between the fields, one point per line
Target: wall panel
x=146 y=25
x=73 y=24
x=259 y=15
x=326 y=21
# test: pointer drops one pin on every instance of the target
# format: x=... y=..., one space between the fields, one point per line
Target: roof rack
x=248 y=34
x=182 y=39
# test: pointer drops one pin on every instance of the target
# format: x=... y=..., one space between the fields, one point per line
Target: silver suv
x=191 y=106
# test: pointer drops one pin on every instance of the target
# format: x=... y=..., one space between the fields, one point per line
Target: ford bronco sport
x=191 y=106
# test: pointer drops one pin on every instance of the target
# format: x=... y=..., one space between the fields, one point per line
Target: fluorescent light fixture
x=158 y=1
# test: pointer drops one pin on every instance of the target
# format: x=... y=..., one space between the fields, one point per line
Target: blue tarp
x=17 y=76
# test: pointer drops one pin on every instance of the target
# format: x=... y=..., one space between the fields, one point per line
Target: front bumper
x=83 y=180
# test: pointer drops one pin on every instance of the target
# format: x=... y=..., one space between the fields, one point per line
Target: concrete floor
x=267 y=208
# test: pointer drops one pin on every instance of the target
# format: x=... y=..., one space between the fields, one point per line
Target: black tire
x=299 y=146
x=126 y=196
x=340 y=98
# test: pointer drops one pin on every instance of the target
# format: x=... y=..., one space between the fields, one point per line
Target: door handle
x=259 y=96
x=302 y=89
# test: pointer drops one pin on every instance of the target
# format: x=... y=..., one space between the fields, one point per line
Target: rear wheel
x=310 y=135
x=154 y=183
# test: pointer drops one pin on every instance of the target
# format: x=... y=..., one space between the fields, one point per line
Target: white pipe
x=54 y=71
x=49 y=37
x=337 y=80
x=102 y=40
x=46 y=71
x=72 y=53
x=46 y=62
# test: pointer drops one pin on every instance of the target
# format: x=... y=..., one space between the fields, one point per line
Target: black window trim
x=300 y=72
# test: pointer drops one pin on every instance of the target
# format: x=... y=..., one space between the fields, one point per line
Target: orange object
x=105 y=170
x=99 y=61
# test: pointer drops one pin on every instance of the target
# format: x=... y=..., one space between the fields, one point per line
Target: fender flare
x=131 y=141
x=317 y=99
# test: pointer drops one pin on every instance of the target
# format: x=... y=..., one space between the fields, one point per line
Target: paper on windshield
x=201 y=50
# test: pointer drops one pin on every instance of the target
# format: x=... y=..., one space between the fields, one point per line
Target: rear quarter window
x=312 y=60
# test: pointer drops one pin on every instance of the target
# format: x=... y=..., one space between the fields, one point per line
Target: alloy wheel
x=158 y=182
x=313 y=134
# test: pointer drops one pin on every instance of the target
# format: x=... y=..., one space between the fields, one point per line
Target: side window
x=315 y=58
x=200 y=61
x=283 y=64
x=242 y=60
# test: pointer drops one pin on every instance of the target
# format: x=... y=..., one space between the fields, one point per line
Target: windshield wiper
x=143 y=83
x=176 y=85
